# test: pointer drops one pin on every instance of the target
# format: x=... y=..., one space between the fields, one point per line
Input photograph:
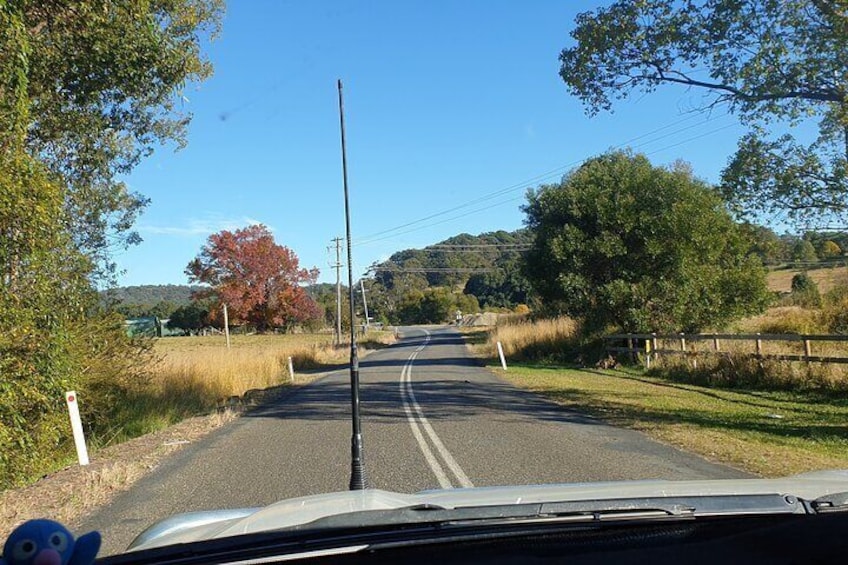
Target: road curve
x=432 y=418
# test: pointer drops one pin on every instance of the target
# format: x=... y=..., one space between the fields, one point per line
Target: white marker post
x=76 y=426
x=227 y=326
x=291 y=369
x=501 y=355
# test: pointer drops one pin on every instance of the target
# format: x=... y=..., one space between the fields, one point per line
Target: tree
x=622 y=243
x=105 y=81
x=504 y=288
x=766 y=59
x=192 y=317
x=804 y=252
x=256 y=278
x=805 y=291
x=829 y=250
x=767 y=245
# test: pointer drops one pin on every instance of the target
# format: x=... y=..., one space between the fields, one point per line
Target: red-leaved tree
x=259 y=280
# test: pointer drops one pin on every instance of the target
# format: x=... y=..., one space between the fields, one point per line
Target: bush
x=805 y=291
x=835 y=310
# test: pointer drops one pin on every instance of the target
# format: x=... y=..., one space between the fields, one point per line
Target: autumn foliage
x=259 y=280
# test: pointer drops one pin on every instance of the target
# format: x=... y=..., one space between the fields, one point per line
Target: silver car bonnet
x=198 y=526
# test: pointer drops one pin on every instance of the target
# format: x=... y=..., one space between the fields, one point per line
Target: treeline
x=79 y=108
x=464 y=274
x=139 y=301
x=774 y=249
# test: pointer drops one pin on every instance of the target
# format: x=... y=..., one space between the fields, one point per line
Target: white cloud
x=195 y=227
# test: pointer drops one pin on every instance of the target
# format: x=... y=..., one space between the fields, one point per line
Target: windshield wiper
x=578 y=511
x=836 y=502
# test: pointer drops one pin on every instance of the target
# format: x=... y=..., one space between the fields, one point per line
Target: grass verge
x=73 y=492
x=191 y=375
x=768 y=433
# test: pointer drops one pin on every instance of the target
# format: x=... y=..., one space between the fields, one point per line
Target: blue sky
x=447 y=103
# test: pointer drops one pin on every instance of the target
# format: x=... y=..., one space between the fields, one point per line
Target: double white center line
x=417 y=421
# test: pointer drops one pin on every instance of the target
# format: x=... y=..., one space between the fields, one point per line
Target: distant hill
x=148 y=300
x=178 y=294
x=487 y=266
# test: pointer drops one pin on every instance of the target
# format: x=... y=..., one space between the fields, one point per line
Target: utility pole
x=365 y=305
x=338 y=266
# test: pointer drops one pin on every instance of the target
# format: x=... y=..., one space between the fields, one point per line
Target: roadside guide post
x=501 y=355
x=76 y=426
x=291 y=370
x=227 y=326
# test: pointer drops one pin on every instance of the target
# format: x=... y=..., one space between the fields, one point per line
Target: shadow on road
x=449 y=399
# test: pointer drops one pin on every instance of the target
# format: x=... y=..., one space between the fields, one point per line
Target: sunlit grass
x=768 y=433
x=193 y=375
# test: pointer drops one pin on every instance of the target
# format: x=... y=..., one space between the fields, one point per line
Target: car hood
x=199 y=526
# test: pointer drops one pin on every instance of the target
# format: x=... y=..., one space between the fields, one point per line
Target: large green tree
x=623 y=243
x=105 y=81
x=86 y=89
x=767 y=60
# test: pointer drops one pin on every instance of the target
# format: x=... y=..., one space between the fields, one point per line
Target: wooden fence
x=651 y=346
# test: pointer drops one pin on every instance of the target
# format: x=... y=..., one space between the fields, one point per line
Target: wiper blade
x=837 y=502
x=580 y=511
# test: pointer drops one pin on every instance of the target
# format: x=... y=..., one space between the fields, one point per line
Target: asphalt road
x=432 y=418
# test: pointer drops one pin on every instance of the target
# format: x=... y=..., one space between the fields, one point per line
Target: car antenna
x=357 y=464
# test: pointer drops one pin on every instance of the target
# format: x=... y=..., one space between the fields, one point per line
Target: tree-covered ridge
x=464 y=272
x=178 y=294
x=452 y=262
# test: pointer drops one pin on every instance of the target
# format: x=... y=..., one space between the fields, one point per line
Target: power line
x=457 y=270
x=419 y=228
x=518 y=198
x=373 y=237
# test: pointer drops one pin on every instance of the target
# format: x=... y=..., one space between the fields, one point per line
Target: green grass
x=768 y=433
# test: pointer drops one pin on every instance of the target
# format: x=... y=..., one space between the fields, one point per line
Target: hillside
x=487 y=266
x=152 y=294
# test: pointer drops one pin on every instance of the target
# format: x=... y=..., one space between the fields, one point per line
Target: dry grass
x=190 y=365
x=204 y=365
x=782 y=319
x=74 y=491
x=826 y=278
x=193 y=375
x=522 y=338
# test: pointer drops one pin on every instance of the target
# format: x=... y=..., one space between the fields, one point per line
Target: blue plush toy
x=44 y=542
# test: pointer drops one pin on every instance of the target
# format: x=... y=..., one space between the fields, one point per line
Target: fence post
x=647 y=353
x=759 y=345
x=654 y=345
x=716 y=344
x=807 y=350
x=630 y=352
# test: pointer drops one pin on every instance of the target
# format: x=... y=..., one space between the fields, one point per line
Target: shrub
x=805 y=291
x=835 y=310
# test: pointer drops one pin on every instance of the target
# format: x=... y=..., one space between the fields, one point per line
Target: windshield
x=262 y=251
